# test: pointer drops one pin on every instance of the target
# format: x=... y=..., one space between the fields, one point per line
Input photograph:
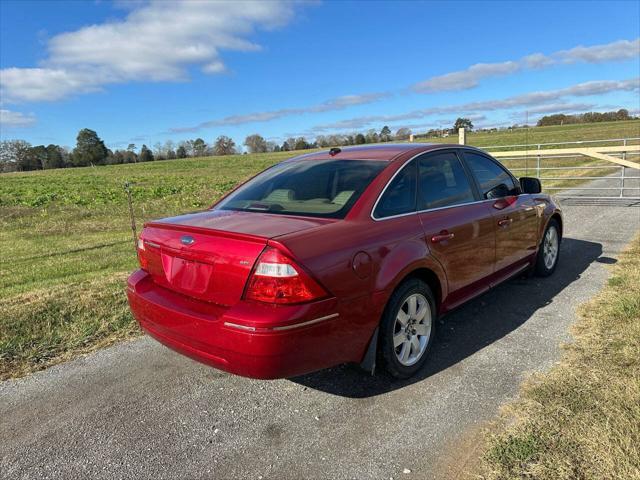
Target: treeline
x=90 y=149
x=257 y=144
x=589 y=117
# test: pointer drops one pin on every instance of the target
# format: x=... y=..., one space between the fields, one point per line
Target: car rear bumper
x=249 y=339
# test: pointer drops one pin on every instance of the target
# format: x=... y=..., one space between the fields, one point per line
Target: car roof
x=387 y=151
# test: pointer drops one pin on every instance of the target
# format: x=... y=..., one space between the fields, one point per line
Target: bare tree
x=403 y=133
x=291 y=142
x=256 y=143
x=169 y=149
x=271 y=146
x=14 y=155
x=158 y=151
x=323 y=141
x=224 y=146
x=188 y=147
x=372 y=136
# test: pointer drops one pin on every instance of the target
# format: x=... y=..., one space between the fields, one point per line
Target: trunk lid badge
x=187 y=240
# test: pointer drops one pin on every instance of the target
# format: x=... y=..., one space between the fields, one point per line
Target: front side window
x=494 y=181
x=400 y=196
x=442 y=181
x=317 y=188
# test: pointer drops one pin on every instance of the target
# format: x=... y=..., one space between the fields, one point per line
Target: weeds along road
x=138 y=410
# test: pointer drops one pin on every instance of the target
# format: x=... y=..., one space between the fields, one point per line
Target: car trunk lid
x=209 y=255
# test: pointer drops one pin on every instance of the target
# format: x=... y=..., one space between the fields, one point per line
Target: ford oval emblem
x=187 y=240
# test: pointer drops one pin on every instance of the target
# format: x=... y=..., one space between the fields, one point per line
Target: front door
x=515 y=214
x=459 y=229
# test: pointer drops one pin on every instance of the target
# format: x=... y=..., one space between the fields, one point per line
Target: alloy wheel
x=412 y=329
x=550 y=247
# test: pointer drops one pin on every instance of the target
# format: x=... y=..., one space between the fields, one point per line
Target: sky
x=150 y=71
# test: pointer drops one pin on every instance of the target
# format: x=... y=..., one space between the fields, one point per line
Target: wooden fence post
x=462 y=136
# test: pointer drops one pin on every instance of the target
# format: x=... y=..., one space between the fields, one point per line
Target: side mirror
x=498 y=191
x=530 y=185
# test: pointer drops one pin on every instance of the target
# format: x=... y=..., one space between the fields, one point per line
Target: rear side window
x=494 y=181
x=400 y=196
x=442 y=181
x=317 y=188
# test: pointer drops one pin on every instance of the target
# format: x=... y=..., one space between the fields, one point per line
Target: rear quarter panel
x=395 y=247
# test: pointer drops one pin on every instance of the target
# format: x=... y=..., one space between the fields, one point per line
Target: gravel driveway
x=138 y=410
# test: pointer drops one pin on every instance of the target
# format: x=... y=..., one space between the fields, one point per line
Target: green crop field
x=67 y=247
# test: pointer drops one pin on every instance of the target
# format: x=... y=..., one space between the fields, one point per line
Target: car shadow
x=471 y=327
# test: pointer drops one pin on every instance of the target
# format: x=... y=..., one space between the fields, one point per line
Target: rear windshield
x=318 y=188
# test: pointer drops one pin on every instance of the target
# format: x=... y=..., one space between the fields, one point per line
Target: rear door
x=458 y=228
x=515 y=216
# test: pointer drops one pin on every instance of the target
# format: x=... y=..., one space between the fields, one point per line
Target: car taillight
x=142 y=255
x=277 y=279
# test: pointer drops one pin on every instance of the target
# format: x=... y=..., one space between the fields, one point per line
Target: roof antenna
x=334 y=151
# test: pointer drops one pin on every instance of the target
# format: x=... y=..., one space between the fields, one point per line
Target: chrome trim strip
x=240 y=327
x=461 y=147
x=304 y=324
x=151 y=244
x=284 y=327
x=434 y=209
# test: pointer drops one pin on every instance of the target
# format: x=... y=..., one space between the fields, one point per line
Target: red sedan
x=341 y=256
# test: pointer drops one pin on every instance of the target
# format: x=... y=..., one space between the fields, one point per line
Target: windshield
x=322 y=188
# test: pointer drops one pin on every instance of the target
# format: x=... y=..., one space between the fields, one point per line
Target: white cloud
x=349 y=101
x=43 y=84
x=333 y=104
x=158 y=41
x=536 y=61
x=465 y=79
x=562 y=107
x=532 y=99
x=615 y=51
x=11 y=119
x=460 y=80
x=597 y=87
x=470 y=77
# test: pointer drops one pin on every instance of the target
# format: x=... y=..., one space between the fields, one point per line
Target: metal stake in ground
x=127 y=188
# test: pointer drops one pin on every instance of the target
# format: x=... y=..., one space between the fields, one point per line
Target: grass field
x=67 y=248
x=582 y=419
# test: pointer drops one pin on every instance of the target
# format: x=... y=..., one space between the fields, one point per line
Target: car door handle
x=442 y=237
x=505 y=222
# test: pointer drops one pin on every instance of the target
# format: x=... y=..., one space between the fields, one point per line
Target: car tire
x=549 y=250
x=407 y=329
